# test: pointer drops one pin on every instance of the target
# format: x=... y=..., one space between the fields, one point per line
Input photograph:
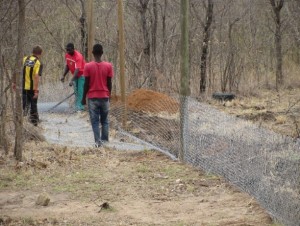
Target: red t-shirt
x=74 y=62
x=98 y=72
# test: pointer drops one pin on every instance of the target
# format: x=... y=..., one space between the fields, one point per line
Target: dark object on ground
x=223 y=96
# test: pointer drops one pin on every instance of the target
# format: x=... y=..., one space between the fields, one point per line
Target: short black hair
x=97 y=50
x=37 y=50
x=70 y=46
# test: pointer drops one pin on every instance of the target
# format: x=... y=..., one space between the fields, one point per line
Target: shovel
x=61 y=102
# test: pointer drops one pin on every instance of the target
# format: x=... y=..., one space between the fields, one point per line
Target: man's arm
x=66 y=70
x=109 y=85
x=85 y=90
x=36 y=80
x=74 y=76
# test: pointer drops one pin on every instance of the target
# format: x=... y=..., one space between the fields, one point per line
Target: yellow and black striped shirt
x=31 y=66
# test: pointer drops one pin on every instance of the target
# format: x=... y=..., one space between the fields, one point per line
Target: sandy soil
x=140 y=188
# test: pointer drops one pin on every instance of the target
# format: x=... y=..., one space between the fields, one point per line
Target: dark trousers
x=30 y=102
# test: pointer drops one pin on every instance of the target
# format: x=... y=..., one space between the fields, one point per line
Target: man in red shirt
x=75 y=64
x=97 y=87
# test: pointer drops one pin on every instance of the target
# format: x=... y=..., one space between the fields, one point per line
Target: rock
x=43 y=200
x=5 y=220
x=223 y=96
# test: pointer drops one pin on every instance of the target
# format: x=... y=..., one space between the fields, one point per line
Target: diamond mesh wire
x=258 y=161
x=264 y=164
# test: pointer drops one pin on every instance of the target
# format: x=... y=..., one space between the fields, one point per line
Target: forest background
x=246 y=47
x=241 y=46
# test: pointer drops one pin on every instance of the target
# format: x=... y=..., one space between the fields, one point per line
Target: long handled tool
x=61 y=102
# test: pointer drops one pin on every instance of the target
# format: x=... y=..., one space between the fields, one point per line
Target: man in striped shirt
x=32 y=70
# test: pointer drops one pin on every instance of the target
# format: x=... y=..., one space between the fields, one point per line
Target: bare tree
x=293 y=9
x=154 y=32
x=277 y=6
x=205 y=42
x=153 y=62
x=164 y=39
x=4 y=87
x=143 y=10
x=152 y=42
x=83 y=30
x=146 y=38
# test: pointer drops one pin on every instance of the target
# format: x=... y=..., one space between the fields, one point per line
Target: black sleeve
x=109 y=85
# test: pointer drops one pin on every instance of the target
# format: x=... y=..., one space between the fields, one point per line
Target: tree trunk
x=277 y=6
x=206 y=38
x=3 y=105
x=154 y=32
x=90 y=26
x=143 y=10
x=164 y=38
x=83 y=30
x=146 y=40
x=18 y=65
x=153 y=63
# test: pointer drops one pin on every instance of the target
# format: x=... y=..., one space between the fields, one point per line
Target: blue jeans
x=98 y=110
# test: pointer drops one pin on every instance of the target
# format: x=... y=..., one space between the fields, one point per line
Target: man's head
x=97 y=50
x=37 y=51
x=70 y=48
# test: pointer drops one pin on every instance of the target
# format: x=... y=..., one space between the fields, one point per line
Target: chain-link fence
x=264 y=164
x=258 y=161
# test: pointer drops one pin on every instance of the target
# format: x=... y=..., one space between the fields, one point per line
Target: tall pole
x=185 y=78
x=18 y=149
x=90 y=26
x=122 y=60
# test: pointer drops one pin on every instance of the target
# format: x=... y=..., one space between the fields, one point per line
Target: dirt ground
x=136 y=188
x=63 y=185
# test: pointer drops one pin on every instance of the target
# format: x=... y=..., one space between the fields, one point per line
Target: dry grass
x=278 y=111
x=140 y=188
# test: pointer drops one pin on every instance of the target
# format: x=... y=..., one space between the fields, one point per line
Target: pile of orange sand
x=150 y=101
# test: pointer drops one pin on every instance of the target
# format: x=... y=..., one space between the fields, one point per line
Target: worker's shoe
x=98 y=144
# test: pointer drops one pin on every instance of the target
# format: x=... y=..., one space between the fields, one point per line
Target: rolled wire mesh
x=258 y=161
x=55 y=93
